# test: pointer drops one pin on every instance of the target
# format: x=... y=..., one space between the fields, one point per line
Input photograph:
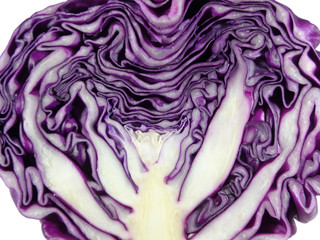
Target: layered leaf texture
x=162 y=119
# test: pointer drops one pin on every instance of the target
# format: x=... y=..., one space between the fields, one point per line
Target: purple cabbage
x=162 y=119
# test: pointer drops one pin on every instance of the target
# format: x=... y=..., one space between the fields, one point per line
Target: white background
x=13 y=226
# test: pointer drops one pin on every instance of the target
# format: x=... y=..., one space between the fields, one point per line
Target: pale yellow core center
x=157 y=214
x=148 y=145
